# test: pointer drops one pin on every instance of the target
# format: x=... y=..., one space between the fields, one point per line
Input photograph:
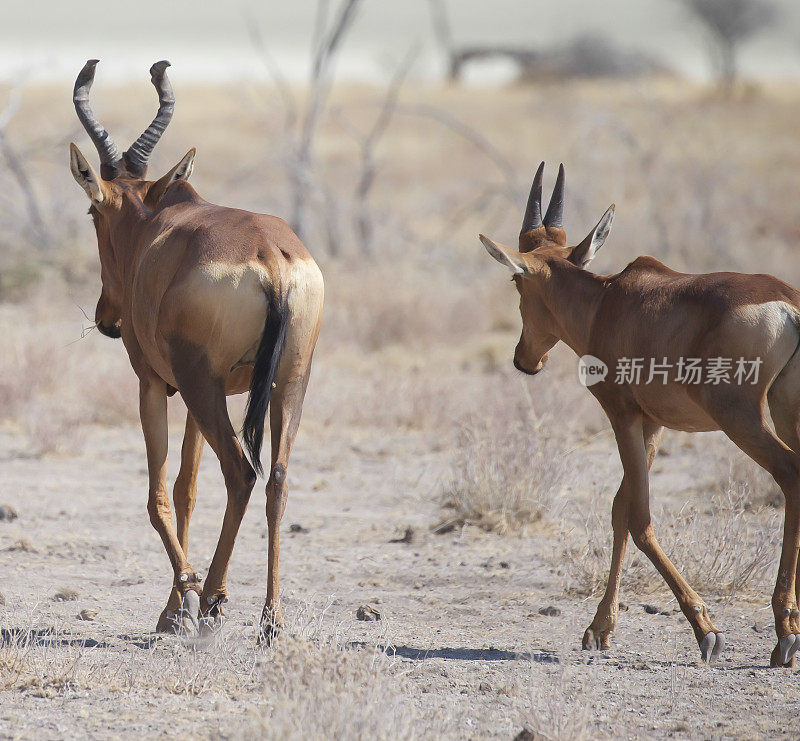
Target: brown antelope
x=209 y=301
x=650 y=312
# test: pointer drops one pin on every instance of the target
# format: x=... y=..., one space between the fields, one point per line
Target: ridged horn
x=533 y=211
x=106 y=148
x=555 y=211
x=139 y=152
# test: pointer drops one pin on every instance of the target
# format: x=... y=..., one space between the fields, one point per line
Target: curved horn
x=533 y=211
x=139 y=152
x=106 y=148
x=555 y=211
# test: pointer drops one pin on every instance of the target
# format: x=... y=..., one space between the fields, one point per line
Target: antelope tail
x=268 y=357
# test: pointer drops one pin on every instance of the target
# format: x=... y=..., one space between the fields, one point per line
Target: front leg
x=634 y=455
x=184 y=495
x=598 y=634
x=153 y=413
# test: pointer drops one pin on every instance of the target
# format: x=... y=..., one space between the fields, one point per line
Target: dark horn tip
x=159 y=68
x=85 y=79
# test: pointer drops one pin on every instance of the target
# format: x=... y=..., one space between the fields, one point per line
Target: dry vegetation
x=413 y=389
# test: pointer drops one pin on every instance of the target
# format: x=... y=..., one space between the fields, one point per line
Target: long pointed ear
x=181 y=171
x=584 y=253
x=85 y=176
x=512 y=259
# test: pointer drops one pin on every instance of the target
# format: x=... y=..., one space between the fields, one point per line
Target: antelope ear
x=512 y=259
x=181 y=171
x=584 y=253
x=85 y=176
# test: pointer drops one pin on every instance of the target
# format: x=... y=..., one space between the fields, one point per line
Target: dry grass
x=307 y=686
x=318 y=692
x=507 y=475
x=559 y=711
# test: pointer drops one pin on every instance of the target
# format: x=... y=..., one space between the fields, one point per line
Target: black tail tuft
x=268 y=356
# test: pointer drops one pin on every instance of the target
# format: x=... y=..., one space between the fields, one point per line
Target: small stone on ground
x=367 y=613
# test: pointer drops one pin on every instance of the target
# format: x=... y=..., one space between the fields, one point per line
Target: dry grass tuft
x=558 y=711
x=320 y=691
x=506 y=474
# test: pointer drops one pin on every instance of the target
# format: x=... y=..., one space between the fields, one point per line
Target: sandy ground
x=468 y=653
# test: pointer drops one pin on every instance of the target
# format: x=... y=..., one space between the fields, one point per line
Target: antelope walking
x=209 y=301
x=650 y=312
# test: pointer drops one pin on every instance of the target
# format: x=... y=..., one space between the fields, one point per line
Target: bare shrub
x=728 y=24
x=725 y=547
x=506 y=473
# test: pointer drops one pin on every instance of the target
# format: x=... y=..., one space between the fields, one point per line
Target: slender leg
x=286 y=407
x=184 y=495
x=205 y=398
x=634 y=455
x=598 y=634
x=153 y=413
x=783 y=405
x=752 y=434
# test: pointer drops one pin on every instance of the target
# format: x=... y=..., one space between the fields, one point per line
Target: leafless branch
x=443 y=32
x=465 y=131
x=319 y=89
x=16 y=167
x=273 y=70
x=364 y=221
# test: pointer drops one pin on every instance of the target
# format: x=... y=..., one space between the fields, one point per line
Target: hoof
x=595 y=640
x=168 y=622
x=187 y=615
x=712 y=646
x=783 y=653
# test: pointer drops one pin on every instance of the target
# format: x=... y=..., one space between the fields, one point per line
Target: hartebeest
x=668 y=322
x=209 y=301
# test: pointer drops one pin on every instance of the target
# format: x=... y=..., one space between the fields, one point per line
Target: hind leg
x=286 y=406
x=205 y=397
x=748 y=428
x=784 y=406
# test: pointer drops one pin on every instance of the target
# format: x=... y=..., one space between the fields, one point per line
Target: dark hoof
x=168 y=622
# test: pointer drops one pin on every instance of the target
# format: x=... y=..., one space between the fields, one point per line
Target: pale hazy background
x=51 y=38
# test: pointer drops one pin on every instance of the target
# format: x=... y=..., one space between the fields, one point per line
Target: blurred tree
x=728 y=24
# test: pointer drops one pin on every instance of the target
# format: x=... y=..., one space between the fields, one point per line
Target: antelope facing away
x=667 y=319
x=208 y=301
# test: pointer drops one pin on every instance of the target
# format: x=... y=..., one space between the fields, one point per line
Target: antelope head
x=121 y=195
x=542 y=251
